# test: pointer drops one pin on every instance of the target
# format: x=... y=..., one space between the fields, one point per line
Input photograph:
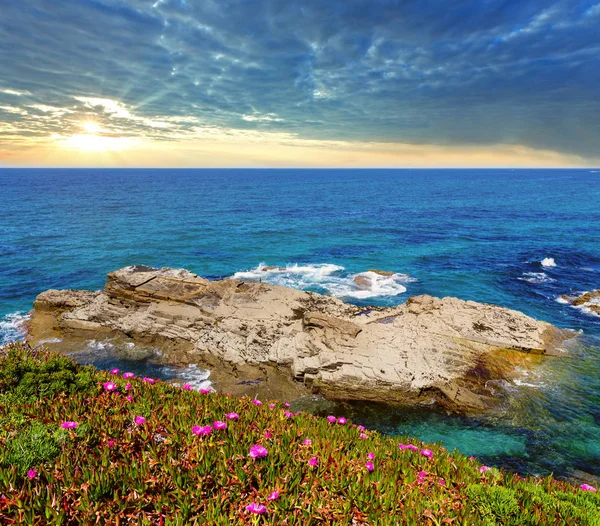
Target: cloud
x=474 y=73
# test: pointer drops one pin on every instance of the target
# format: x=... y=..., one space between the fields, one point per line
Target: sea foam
x=12 y=327
x=331 y=279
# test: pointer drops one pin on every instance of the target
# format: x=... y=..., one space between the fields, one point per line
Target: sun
x=91 y=127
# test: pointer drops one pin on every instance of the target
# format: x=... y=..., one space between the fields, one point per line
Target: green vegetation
x=79 y=446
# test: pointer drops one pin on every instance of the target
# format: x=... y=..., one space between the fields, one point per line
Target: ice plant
x=127 y=376
x=258 y=451
x=268 y=434
x=259 y=509
x=307 y=442
x=427 y=453
x=341 y=421
x=285 y=404
x=587 y=487
x=205 y=390
x=331 y=419
x=186 y=387
x=483 y=469
x=109 y=386
x=362 y=435
x=32 y=473
x=313 y=461
x=369 y=466
x=272 y=406
x=139 y=420
x=219 y=425
x=202 y=430
x=148 y=380
x=129 y=398
x=256 y=402
x=128 y=387
x=111 y=443
x=289 y=414
x=114 y=371
x=273 y=496
x=232 y=416
x=69 y=425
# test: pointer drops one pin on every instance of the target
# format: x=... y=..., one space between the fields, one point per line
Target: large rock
x=293 y=342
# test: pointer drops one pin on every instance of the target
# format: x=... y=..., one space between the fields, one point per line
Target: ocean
x=516 y=238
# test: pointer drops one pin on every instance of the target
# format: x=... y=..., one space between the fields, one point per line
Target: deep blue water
x=473 y=234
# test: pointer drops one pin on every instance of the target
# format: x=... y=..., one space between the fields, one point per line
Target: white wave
x=548 y=262
x=12 y=327
x=536 y=277
x=562 y=300
x=585 y=307
x=196 y=377
x=331 y=278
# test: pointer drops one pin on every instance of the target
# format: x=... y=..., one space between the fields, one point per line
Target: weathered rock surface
x=589 y=301
x=295 y=342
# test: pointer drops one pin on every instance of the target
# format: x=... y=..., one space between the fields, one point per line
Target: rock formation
x=275 y=341
x=589 y=301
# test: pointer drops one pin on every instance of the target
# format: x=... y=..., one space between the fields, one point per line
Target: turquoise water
x=473 y=234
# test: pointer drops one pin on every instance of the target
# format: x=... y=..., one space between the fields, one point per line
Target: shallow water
x=517 y=238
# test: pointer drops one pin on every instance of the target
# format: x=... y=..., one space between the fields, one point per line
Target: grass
x=111 y=470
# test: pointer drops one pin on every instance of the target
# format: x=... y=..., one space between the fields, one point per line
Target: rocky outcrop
x=289 y=342
x=589 y=301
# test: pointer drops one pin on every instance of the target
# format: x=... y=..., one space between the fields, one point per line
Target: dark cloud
x=477 y=72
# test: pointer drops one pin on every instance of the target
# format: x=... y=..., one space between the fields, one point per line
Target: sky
x=300 y=83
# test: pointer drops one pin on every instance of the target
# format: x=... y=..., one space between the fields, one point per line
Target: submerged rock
x=588 y=301
x=289 y=343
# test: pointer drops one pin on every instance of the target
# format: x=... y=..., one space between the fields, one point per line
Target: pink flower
x=341 y=421
x=148 y=380
x=307 y=442
x=205 y=390
x=288 y=414
x=402 y=446
x=313 y=461
x=139 y=420
x=369 y=466
x=69 y=425
x=232 y=416
x=483 y=469
x=362 y=435
x=127 y=376
x=202 y=430
x=186 y=387
x=272 y=406
x=331 y=419
x=259 y=509
x=128 y=387
x=32 y=473
x=587 y=487
x=256 y=402
x=442 y=482
x=412 y=447
x=219 y=425
x=361 y=428
x=114 y=371
x=267 y=434
x=422 y=474
x=427 y=453
x=371 y=455
x=130 y=398
x=285 y=404
x=471 y=458
x=273 y=496
x=109 y=386
x=258 y=451
x=110 y=443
